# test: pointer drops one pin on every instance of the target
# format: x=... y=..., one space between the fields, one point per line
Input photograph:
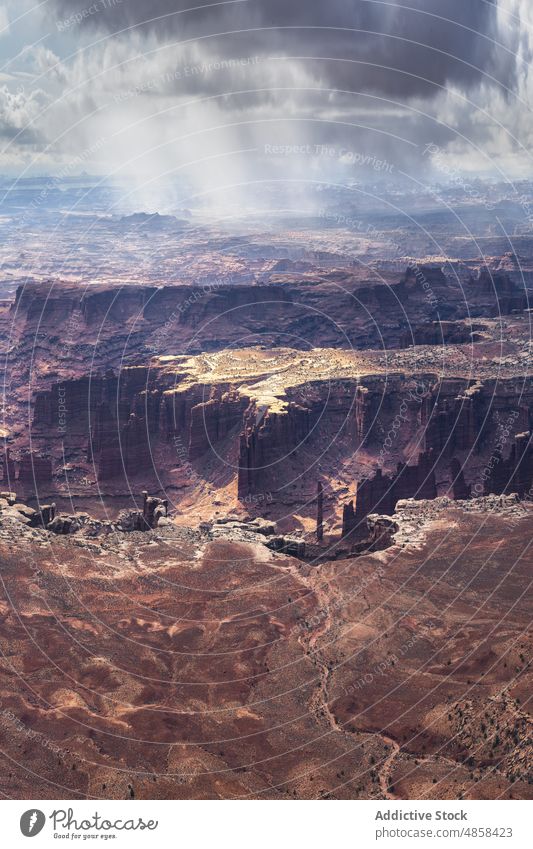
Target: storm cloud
x=393 y=49
x=244 y=90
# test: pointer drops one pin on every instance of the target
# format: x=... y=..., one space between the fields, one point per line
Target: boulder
x=10 y=497
x=66 y=524
x=26 y=511
x=287 y=545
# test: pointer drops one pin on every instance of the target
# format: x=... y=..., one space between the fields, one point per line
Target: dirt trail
x=320 y=700
x=386 y=768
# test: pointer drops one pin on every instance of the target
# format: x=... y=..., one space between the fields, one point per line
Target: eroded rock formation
x=267 y=439
x=380 y=493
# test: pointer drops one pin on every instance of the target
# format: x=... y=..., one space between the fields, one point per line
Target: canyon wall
x=340 y=309
x=380 y=493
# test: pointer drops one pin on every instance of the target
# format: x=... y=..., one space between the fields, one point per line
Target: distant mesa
x=153 y=220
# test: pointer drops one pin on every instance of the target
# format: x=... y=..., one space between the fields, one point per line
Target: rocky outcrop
x=40 y=517
x=502 y=295
x=45 y=303
x=380 y=493
x=212 y=420
x=66 y=523
x=380 y=532
x=154 y=511
x=266 y=440
x=432 y=275
x=452 y=414
x=368 y=401
x=514 y=474
x=287 y=545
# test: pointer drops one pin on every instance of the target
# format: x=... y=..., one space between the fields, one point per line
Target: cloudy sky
x=247 y=90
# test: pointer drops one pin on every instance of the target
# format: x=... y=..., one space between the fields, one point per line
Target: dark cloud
x=369 y=77
x=395 y=50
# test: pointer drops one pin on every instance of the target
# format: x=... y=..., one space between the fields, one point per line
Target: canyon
x=269 y=539
x=235 y=427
